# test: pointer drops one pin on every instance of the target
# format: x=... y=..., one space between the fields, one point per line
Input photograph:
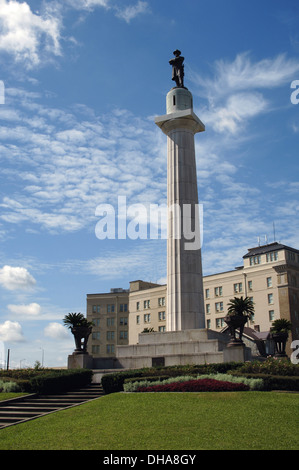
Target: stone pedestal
x=185 y=305
x=198 y=346
x=80 y=361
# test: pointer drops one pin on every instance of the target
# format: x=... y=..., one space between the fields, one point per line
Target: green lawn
x=9 y=395
x=165 y=421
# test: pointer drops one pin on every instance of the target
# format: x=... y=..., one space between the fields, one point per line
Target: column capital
x=185 y=119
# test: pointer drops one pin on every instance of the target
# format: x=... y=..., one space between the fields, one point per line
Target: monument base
x=198 y=346
x=80 y=361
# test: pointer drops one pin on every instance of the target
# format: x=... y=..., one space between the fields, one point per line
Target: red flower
x=199 y=385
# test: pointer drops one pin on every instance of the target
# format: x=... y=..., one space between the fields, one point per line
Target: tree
x=240 y=306
x=238 y=312
x=81 y=329
x=74 y=320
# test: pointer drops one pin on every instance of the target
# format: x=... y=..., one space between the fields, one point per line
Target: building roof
x=260 y=250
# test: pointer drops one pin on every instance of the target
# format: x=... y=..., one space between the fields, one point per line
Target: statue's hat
x=177 y=52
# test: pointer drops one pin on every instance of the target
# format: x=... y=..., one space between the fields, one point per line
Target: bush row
x=271 y=366
x=252 y=383
x=273 y=382
x=114 y=382
x=200 y=385
x=51 y=382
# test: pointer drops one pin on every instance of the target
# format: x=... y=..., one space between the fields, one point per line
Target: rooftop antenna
x=259 y=241
x=274 y=232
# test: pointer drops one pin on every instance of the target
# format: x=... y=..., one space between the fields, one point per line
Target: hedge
x=200 y=385
x=50 y=382
x=273 y=382
x=114 y=382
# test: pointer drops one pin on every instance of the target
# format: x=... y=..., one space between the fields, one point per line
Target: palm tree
x=74 y=320
x=238 y=312
x=240 y=306
x=81 y=329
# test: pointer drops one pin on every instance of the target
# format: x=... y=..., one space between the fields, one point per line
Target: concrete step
x=30 y=407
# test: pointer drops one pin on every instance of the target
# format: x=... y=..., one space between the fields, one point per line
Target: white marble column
x=185 y=305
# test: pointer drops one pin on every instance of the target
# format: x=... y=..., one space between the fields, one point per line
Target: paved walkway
x=29 y=407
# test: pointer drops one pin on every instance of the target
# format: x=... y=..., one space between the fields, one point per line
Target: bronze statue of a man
x=177 y=69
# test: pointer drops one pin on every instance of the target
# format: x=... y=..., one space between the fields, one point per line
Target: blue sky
x=83 y=81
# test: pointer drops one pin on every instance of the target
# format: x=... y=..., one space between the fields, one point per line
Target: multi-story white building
x=269 y=275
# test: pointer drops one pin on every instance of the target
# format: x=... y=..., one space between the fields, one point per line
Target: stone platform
x=198 y=346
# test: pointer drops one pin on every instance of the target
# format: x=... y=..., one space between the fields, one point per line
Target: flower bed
x=200 y=385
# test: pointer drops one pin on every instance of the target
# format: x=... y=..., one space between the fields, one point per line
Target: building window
x=271 y=315
x=208 y=324
x=291 y=256
x=147 y=318
x=138 y=319
x=220 y=322
x=96 y=322
x=238 y=287
x=96 y=335
x=123 y=307
x=269 y=281
x=95 y=349
x=110 y=349
x=123 y=321
x=218 y=291
x=162 y=329
x=161 y=316
x=110 y=321
x=110 y=308
x=123 y=335
x=207 y=293
x=270 y=298
x=161 y=301
x=96 y=309
x=208 y=308
x=137 y=305
x=219 y=306
x=272 y=256
x=110 y=335
x=146 y=303
x=249 y=285
x=255 y=260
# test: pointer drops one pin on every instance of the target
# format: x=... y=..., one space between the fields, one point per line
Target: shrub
x=271 y=366
x=9 y=387
x=274 y=382
x=252 y=383
x=114 y=382
x=60 y=381
x=199 y=385
x=47 y=381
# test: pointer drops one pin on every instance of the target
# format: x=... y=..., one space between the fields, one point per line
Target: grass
x=165 y=421
x=9 y=395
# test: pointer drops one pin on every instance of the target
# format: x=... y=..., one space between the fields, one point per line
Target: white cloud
x=130 y=12
x=14 y=278
x=126 y=13
x=88 y=4
x=32 y=309
x=237 y=110
x=11 y=332
x=243 y=74
x=234 y=92
x=27 y=35
x=56 y=330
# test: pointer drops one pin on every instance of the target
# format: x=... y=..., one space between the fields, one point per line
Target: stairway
x=29 y=407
